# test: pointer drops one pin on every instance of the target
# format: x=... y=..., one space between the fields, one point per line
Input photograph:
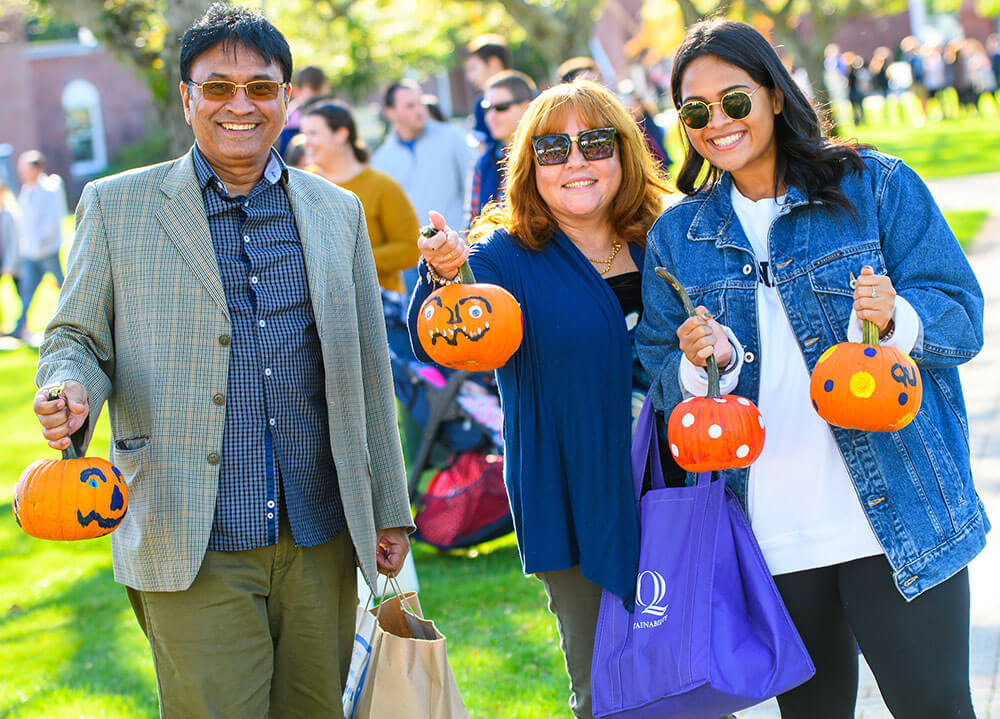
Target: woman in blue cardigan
x=789 y=239
x=568 y=243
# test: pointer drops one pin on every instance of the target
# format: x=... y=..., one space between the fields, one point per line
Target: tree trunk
x=179 y=16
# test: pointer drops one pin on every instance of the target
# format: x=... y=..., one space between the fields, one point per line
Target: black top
x=628 y=289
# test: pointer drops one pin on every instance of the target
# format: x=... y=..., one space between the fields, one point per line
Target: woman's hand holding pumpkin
x=700 y=336
x=62 y=416
x=875 y=299
x=445 y=251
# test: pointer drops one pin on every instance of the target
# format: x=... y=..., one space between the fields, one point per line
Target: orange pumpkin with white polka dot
x=713 y=433
x=861 y=385
x=716 y=432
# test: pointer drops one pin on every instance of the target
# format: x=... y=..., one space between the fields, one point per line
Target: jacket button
x=748 y=357
x=747 y=269
x=219 y=398
x=224 y=340
x=214 y=458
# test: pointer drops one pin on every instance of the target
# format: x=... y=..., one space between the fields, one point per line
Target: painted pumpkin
x=712 y=433
x=70 y=498
x=861 y=385
x=470 y=326
x=718 y=431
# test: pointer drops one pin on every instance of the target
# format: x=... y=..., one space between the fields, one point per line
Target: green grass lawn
x=70 y=648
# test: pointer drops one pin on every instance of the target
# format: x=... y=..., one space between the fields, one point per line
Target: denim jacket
x=915 y=485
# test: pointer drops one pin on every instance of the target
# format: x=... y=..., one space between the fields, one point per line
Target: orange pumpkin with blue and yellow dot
x=861 y=385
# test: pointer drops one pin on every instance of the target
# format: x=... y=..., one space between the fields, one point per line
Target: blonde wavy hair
x=523 y=213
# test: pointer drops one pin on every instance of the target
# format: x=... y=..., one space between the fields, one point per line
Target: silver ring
x=874 y=293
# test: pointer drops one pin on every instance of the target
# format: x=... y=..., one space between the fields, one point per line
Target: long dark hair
x=336 y=117
x=806 y=158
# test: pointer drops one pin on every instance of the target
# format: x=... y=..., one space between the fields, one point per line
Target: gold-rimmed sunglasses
x=220 y=90
x=736 y=104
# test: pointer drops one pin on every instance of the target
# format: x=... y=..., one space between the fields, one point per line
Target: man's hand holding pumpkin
x=64 y=415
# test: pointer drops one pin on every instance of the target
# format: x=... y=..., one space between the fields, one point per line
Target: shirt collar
x=274 y=172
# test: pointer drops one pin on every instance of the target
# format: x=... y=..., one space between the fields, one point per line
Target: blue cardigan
x=566 y=397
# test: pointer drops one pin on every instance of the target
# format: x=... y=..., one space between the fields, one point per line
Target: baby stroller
x=452 y=421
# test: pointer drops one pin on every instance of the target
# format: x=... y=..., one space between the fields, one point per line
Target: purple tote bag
x=709 y=634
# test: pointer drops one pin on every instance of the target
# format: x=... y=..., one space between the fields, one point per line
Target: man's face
x=235 y=130
x=407 y=114
x=476 y=71
x=503 y=114
x=27 y=172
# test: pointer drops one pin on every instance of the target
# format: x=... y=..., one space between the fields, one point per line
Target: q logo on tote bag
x=655 y=588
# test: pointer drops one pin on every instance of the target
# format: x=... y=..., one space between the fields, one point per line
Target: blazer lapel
x=183 y=218
x=324 y=245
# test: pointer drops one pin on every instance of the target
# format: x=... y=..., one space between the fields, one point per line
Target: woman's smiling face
x=579 y=189
x=744 y=147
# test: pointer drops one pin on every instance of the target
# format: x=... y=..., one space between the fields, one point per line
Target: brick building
x=73 y=101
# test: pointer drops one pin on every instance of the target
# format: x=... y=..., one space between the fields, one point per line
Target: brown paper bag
x=409 y=675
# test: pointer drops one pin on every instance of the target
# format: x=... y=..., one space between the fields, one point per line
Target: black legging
x=918 y=651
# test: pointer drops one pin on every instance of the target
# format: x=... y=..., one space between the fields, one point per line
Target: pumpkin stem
x=869 y=333
x=70 y=452
x=465 y=274
x=711 y=366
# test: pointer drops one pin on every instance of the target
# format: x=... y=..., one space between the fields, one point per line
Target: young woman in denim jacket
x=787 y=242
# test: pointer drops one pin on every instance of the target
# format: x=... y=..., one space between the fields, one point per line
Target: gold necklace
x=615 y=248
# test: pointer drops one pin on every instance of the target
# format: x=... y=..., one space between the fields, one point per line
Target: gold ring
x=448 y=256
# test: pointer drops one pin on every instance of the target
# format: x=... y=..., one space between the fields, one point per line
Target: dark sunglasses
x=499 y=106
x=554 y=148
x=220 y=90
x=736 y=104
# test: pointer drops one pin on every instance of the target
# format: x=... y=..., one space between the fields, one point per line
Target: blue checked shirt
x=276 y=443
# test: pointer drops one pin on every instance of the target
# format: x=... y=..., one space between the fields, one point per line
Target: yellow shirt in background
x=392 y=224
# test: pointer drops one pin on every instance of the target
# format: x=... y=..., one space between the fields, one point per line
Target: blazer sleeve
x=390 y=499
x=929 y=269
x=79 y=341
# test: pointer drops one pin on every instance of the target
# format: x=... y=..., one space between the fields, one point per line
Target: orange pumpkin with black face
x=473 y=327
x=77 y=498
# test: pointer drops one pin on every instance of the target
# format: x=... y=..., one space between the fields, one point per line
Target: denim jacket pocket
x=832 y=279
x=712 y=297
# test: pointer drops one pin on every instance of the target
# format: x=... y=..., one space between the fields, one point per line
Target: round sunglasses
x=553 y=148
x=736 y=104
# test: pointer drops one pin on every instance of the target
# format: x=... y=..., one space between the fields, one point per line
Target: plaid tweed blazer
x=142 y=323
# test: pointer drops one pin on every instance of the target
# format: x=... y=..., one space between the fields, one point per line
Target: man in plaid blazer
x=226 y=309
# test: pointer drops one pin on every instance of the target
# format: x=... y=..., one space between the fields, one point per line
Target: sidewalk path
x=982 y=395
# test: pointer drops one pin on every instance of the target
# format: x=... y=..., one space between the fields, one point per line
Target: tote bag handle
x=646 y=452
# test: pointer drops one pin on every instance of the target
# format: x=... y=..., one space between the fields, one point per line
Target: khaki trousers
x=576 y=602
x=260 y=633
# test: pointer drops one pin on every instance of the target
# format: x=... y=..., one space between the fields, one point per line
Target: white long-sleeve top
x=802 y=504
